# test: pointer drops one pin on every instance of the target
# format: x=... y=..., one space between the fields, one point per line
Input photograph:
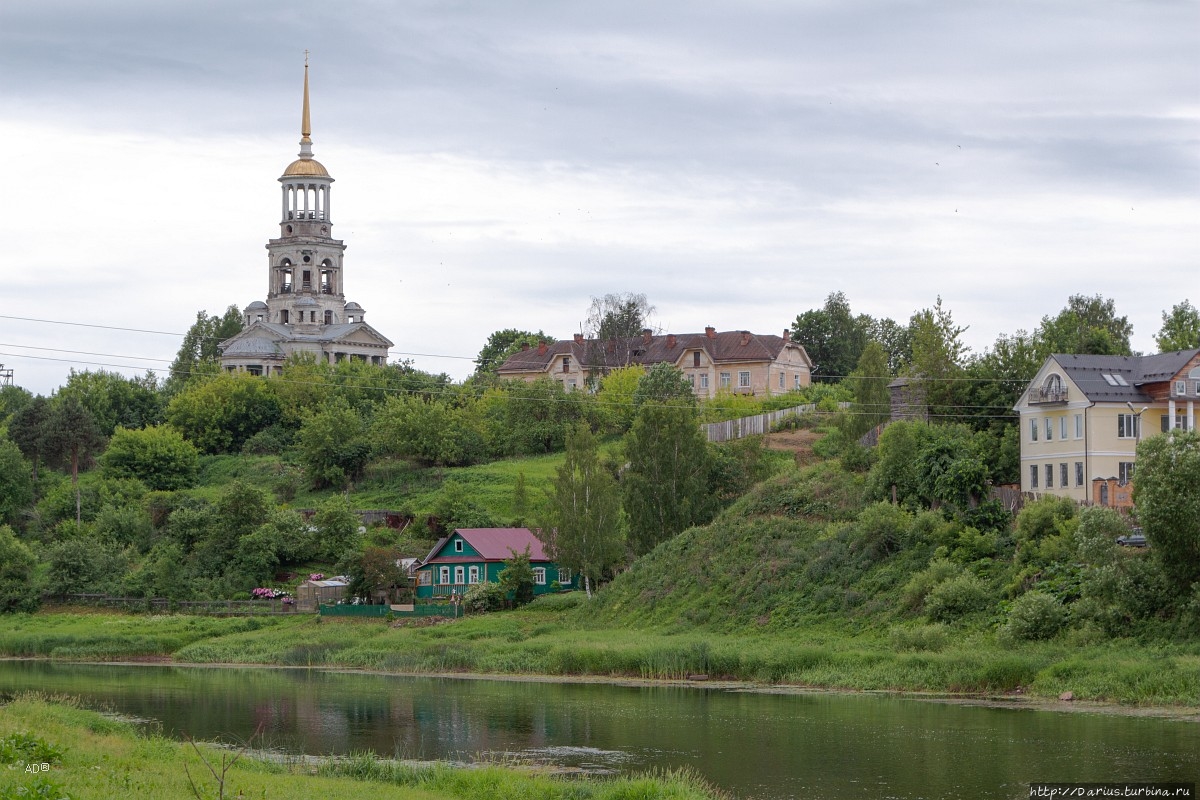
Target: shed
x=310 y=594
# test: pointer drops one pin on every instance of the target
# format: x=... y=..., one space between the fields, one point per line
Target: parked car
x=1132 y=540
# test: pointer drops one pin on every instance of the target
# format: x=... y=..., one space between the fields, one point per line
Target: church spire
x=305 y=119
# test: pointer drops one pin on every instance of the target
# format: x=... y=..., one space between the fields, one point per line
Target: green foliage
x=25 y=748
x=17 y=591
x=199 y=347
x=16 y=484
x=501 y=345
x=665 y=487
x=1180 y=329
x=1034 y=615
x=666 y=384
x=516 y=578
x=113 y=400
x=220 y=413
x=616 y=394
x=532 y=418
x=83 y=564
x=430 y=432
x=922 y=583
x=484 y=597
x=869 y=382
x=1045 y=530
x=86 y=501
x=1088 y=325
x=373 y=569
x=955 y=598
x=334 y=445
x=833 y=337
x=922 y=638
x=28 y=429
x=454 y=508
x=938 y=361
x=337 y=527
x=582 y=523
x=158 y=456
x=882 y=529
x=1164 y=491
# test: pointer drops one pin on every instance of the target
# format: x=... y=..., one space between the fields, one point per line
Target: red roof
x=493 y=544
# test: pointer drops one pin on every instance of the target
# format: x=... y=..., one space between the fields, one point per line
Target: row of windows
x=1129 y=426
x=469 y=575
x=1124 y=474
x=1181 y=388
x=1048 y=425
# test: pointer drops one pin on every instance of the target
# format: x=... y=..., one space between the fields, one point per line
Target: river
x=752 y=744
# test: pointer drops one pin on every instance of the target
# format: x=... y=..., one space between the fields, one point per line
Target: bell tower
x=305 y=289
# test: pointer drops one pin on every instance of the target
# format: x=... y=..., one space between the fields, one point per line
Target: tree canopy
x=1180 y=328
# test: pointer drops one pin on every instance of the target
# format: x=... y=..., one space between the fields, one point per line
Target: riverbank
x=552 y=643
x=52 y=748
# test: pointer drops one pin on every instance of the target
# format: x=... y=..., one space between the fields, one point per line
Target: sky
x=498 y=164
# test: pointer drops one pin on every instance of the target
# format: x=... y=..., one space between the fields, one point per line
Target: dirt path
x=799 y=442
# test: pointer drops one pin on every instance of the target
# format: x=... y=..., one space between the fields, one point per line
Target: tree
x=533 y=418
x=17 y=591
x=1180 y=329
x=337 y=527
x=869 y=382
x=430 y=432
x=582 y=523
x=664 y=383
x=158 y=456
x=502 y=344
x=1164 y=492
x=219 y=414
x=833 y=337
x=199 y=347
x=1088 y=325
x=373 y=570
x=28 y=429
x=665 y=485
x=72 y=437
x=113 y=399
x=516 y=578
x=938 y=354
x=616 y=395
x=334 y=446
x=617 y=319
x=16 y=489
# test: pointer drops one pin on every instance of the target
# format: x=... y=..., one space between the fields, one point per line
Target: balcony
x=1047 y=395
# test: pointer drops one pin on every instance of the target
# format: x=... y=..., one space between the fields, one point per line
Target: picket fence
x=756 y=425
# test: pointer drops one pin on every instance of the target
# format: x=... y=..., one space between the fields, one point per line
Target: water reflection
x=755 y=745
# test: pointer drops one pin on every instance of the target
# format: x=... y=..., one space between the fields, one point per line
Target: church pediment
x=360 y=333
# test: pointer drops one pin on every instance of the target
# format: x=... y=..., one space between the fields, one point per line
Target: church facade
x=306 y=310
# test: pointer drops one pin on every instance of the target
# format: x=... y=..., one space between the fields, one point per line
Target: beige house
x=1083 y=416
x=306 y=310
x=733 y=361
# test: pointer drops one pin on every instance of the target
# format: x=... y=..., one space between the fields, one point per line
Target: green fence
x=441 y=610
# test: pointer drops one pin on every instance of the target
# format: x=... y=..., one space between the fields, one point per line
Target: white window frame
x=539 y=576
x=425 y=577
x=1033 y=429
x=744 y=379
x=704 y=381
x=1180 y=388
x=796 y=381
x=460 y=576
x=1062 y=427
x=1125 y=470
x=443 y=576
x=1079 y=426
x=1049 y=429
x=1049 y=476
x=564 y=576
x=1127 y=426
x=473 y=573
x=458 y=545
x=726 y=380
x=1079 y=473
x=1033 y=476
x=1063 y=475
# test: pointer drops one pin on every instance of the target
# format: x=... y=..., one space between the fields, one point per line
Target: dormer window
x=566 y=364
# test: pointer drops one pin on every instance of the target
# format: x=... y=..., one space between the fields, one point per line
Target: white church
x=306 y=310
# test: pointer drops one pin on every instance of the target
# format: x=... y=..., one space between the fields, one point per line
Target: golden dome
x=306 y=168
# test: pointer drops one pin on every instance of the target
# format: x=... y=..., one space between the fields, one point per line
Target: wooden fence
x=162 y=605
x=755 y=425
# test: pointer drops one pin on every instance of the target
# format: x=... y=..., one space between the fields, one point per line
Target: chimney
x=670 y=341
x=745 y=338
x=710 y=332
x=787 y=335
x=579 y=338
x=541 y=347
x=647 y=335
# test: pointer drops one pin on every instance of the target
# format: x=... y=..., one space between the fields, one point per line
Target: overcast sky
x=499 y=163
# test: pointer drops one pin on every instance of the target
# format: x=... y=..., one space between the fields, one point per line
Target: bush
x=484 y=597
x=558 y=602
x=956 y=598
x=920 y=585
x=918 y=637
x=1034 y=615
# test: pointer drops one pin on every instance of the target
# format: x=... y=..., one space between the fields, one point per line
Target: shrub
x=484 y=597
x=918 y=637
x=1035 y=615
x=919 y=585
x=956 y=598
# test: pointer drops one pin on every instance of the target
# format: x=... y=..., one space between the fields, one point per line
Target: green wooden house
x=474 y=555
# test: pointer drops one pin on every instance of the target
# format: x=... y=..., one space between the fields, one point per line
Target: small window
x=444 y=575
x=1125 y=472
x=744 y=379
x=425 y=577
x=1079 y=473
x=704 y=381
x=1033 y=476
x=1062 y=475
x=724 y=380
x=696 y=359
x=1062 y=427
x=1180 y=388
x=1127 y=426
x=1196 y=388
x=328 y=317
x=458 y=545
x=564 y=576
x=1079 y=426
x=1033 y=429
x=1049 y=429
x=781 y=379
x=797 y=382
x=460 y=576
x=1049 y=476
x=692 y=380
x=472 y=574
x=539 y=576
x=283 y=316
x=566 y=364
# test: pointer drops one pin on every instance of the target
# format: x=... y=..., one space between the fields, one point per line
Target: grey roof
x=256 y=305
x=253 y=346
x=1088 y=371
x=251 y=340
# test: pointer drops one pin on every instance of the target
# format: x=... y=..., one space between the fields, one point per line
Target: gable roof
x=720 y=346
x=494 y=544
x=262 y=338
x=1130 y=374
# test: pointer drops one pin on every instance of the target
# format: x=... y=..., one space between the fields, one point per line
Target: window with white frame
x=1125 y=471
x=539 y=576
x=443 y=575
x=425 y=577
x=1079 y=426
x=744 y=379
x=473 y=574
x=1062 y=427
x=458 y=545
x=1033 y=429
x=781 y=379
x=1127 y=426
x=1049 y=476
x=704 y=381
x=724 y=380
x=692 y=381
x=1062 y=475
x=796 y=383
x=1049 y=429
x=564 y=576
x=1181 y=422
x=1180 y=388
x=1079 y=473
x=1033 y=476
x=460 y=575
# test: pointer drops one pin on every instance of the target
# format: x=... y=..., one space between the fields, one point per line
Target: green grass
x=100 y=758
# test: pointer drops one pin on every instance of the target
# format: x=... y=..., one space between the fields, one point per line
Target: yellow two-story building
x=1083 y=416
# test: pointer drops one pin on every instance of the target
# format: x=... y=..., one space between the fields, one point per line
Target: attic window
x=1120 y=379
x=458 y=545
x=1111 y=380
